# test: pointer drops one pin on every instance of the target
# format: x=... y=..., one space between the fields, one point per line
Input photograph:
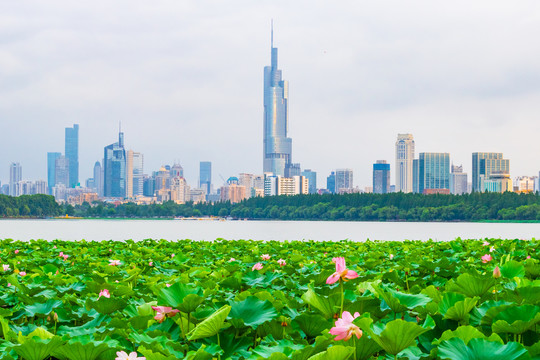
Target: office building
x=344 y=180
x=258 y=186
x=293 y=170
x=61 y=171
x=148 y=186
x=98 y=178
x=176 y=170
x=179 y=190
x=404 y=163
x=458 y=180
x=485 y=163
x=51 y=167
x=15 y=175
x=163 y=179
x=312 y=178
x=331 y=182
x=246 y=180
x=40 y=187
x=135 y=168
x=205 y=176
x=415 y=185
x=233 y=192
x=381 y=177
x=277 y=146
x=279 y=185
x=114 y=169
x=72 y=154
x=524 y=184
x=497 y=181
x=433 y=173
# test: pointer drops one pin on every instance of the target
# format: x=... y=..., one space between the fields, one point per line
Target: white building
x=344 y=180
x=246 y=180
x=524 y=184
x=458 y=180
x=404 y=163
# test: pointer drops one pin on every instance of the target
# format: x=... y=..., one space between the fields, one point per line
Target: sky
x=185 y=79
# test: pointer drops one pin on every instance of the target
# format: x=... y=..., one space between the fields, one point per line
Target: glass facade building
x=205 y=176
x=312 y=177
x=15 y=175
x=484 y=164
x=51 y=169
x=433 y=171
x=331 y=182
x=72 y=154
x=381 y=177
x=114 y=169
x=344 y=180
x=277 y=146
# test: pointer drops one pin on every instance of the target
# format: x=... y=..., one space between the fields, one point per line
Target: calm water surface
x=259 y=230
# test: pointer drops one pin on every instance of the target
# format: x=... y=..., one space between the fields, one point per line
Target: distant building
x=458 y=180
x=344 y=180
x=205 y=176
x=176 y=170
x=498 y=181
x=148 y=186
x=246 y=180
x=279 y=185
x=180 y=191
x=258 y=186
x=484 y=164
x=40 y=187
x=381 y=177
x=312 y=177
x=331 y=182
x=416 y=176
x=404 y=163
x=293 y=170
x=51 y=167
x=98 y=178
x=163 y=179
x=524 y=184
x=433 y=172
x=135 y=169
x=15 y=175
x=114 y=164
x=72 y=154
x=233 y=192
x=61 y=171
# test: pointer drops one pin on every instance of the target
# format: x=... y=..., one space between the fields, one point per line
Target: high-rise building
x=176 y=170
x=233 y=192
x=15 y=175
x=72 y=154
x=40 y=187
x=114 y=173
x=149 y=185
x=277 y=146
x=415 y=177
x=51 y=167
x=246 y=180
x=433 y=173
x=98 y=178
x=404 y=163
x=344 y=180
x=458 y=180
x=61 y=171
x=485 y=163
x=293 y=170
x=205 y=176
x=331 y=182
x=135 y=168
x=497 y=181
x=381 y=177
x=312 y=177
x=524 y=184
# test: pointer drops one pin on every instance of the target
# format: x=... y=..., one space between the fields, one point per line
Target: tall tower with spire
x=277 y=151
x=114 y=169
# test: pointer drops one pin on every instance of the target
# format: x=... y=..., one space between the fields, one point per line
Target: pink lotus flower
x=265 y=257
x=163 y=311
x=110 y=250
x=345 y=328
x=282 y=262
x=257 y=266
x=341 y=272
x=65 y=257
x=61 y=254
x=172 y=255
x=22 y=273
x=54 y=247
x=114 y=262
x=168 y=285
x=492 y=249
x=486 y=258
x=528 y=257
x=122 y=355
x=104 y=293
x=391 y=256
x=5 y=267
x=485 y=243
x=17 y=251
x=150 y=263
x=496 y=272
x=232 y=259
x=9 y=284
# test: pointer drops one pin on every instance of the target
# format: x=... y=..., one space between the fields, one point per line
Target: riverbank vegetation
x=159 y=300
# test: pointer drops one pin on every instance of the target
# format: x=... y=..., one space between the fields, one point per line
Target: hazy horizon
x=186 y=81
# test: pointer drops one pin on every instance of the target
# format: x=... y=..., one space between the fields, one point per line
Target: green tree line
x=29 y=206
x=353 y=207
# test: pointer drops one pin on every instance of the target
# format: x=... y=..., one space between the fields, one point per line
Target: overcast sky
x=185 y=79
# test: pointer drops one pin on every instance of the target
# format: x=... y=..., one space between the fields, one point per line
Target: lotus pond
x=159 y=300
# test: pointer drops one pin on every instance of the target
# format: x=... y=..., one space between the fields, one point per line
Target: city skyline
x=356 y=83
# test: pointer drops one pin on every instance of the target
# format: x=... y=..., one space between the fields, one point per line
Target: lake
x=74 y=229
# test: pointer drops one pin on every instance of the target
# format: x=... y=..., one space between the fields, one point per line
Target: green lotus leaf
x=481 y=349
x=271 y=346
x=512 y=269
x=152 y=355
x=200 y=354
x=472 y=285
x=466 y=333
x=106 y=305
x=321 y=344
x=85 y=348
x=399 y=302
x=456 y=307
x=397 y=335
x=74 y=287
x=365 y=347
x=484 y=313
x=42 y=309
x=211 y=325
x=337 y=352
x=232 y=345
x=38 y=349
x=516 y=319
x=529 y=294
x=253 y=312
x=90 y=327
x=311 y=325
x=38 y=332
x=174 y=295
x=328 y=306
x=190 y=303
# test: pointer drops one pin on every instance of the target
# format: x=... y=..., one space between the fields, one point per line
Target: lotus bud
x=55 y=317
x=496 y=272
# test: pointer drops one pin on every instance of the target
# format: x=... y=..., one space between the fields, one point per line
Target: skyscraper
x=15 y=175
x=61 y=171
x=98 y=178
x=114 y=164
x=331 y=182
x=344 y=180
x=205 y=176
x=277 y=146
x=72 y=154
x=51 y=169
x=433 y=172
x=135 y=167
x=458 y=180
x=404 y=163
x=484 y=164
x=381 y=177
x=312 y=177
